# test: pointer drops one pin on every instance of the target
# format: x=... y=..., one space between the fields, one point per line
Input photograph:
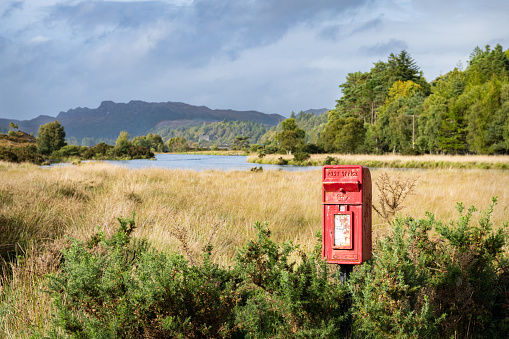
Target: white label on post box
x=342 y=231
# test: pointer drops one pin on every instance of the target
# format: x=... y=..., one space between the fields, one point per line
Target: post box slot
x=345 y=185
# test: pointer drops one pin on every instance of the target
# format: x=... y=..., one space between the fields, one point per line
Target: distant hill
x=137 y=118
x=29 y=126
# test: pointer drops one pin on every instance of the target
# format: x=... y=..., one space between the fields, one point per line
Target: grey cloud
x=203 y=29
x=3 y=43
x=369 y=25
x=123 y=14
x=16 y=5
x=332 y=32
x=230 y=26
x=383 y=49
x=335 y=32
x=265 y=21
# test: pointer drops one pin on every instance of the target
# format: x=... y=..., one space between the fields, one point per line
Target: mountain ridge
x=137 y=118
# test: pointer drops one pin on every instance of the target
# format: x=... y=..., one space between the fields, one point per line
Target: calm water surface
x=203 y=162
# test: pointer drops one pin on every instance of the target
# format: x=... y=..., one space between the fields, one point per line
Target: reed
x=40 y=207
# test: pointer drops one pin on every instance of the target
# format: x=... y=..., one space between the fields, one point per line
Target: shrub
x=21 y=154
x=330 y=161
x=301 y=156
x=273 y=148
x=391 y=195
x=66 y=152
x=281 y=161
x=98 y=151
x=256 y=148
x=427 y=280
x=411 y=151
x=140 y=152
x=313 y=149
x=118 y=287
x=283 y=299
x=453 y=284
x=8 y=154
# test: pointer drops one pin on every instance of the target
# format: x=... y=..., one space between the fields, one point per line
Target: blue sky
x=274 y=56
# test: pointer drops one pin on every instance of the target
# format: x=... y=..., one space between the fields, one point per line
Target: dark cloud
x=203 y=29
x=16 y=5
x=383 y=49
x=245 y=24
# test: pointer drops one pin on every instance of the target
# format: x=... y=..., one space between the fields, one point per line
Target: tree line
x=392 y=108
x=216 y=134
x=50 y=144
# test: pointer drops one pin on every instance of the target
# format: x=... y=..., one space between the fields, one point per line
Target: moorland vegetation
x=184 y=259
x=97 y=251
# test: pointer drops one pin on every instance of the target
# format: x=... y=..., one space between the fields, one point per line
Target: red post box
x=346 y=227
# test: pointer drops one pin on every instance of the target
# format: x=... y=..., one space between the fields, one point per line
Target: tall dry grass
x=39 y=207
x=403 y=158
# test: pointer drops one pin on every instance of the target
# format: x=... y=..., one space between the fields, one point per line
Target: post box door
x=342 y=242
x=342 y=231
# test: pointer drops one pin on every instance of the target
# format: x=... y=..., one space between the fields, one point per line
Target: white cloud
x=39 y=39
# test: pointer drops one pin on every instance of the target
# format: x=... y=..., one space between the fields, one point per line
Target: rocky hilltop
x=137 y=118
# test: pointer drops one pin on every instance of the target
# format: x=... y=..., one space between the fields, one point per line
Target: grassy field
x=394 y=161
x=40 y=207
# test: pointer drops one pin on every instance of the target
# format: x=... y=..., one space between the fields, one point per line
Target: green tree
x=122 y=144
x=50 y=137
x=177 y=144
x=344 y=135
x=156 y=143
x=429 y=123
x=483 y=64
x=291 y=136
x=240 y=142
x=396 y=128
x=365 y=93
x=443 y=126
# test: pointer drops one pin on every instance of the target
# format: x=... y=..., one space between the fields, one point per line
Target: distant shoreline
x=500 y=162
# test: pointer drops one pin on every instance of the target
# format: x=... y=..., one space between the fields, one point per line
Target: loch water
x=202 y=162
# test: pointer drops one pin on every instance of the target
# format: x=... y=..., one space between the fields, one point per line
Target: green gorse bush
x=428 y=279
x=435 y=279
x=119 y=287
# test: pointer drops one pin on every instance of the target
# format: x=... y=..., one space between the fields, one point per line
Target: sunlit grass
x=396 y=161
x=403 y=158
x=39 y=207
